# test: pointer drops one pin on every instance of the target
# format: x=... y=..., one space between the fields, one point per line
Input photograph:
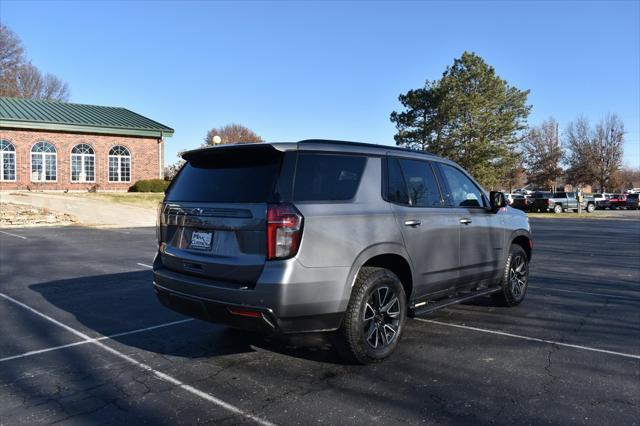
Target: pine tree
x=470 y=116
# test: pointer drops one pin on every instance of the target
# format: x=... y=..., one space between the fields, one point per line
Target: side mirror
x=497 y=200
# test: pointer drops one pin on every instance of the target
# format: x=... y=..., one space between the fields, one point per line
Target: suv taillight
x=284 y=231
x=549 y=202
x=159 y=221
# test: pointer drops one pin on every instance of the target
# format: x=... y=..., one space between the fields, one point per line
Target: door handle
x=412 y=222
x=465 y=221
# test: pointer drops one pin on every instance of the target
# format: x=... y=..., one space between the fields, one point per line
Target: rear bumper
x=289 y=297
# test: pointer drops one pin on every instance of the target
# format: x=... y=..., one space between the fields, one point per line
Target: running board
x=426 y=307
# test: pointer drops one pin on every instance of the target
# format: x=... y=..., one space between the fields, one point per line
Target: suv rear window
x=228 y=176
x=327 y=177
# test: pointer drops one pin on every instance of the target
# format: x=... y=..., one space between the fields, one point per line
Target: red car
x=617 y=201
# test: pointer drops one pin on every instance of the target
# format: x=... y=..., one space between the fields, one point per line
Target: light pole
x=217 y=140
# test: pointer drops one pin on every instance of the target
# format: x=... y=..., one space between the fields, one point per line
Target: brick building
x=47 y=145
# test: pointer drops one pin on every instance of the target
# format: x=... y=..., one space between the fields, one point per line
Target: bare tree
x=232 y=133
x=542 y=154
x=595 y=154
x=172 y=170
x=579 y=159
x=608 y=147
x=20 y=78
x=54 y=89
x=625 y=178
x=11 y=57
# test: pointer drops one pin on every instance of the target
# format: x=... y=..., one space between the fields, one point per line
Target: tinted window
x=324 y=177
x=396 y=186
x=421 y=183
x=462 y=192
x=231 y=176
x=541 y=195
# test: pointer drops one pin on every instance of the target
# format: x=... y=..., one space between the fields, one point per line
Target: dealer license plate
x=201 y=240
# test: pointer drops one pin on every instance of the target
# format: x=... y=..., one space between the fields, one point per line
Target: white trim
x=15 y=166
x=119 y=159
x=83 y=157
x=42 y=155
x=82 y=166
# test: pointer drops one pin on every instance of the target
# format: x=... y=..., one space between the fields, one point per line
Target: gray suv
x=333 y=236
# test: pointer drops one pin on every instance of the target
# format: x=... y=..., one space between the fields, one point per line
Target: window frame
x=445 y=183
x=119 y=158
x=385 y=181
x=82 y=163
x=4 y=152
x=43 y=156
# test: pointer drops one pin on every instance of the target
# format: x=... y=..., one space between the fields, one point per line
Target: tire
x=557 y=208
x=514 y=281
x=365 y=336
x=590 y=208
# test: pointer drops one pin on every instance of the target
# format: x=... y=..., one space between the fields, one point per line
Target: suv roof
x=320 y=145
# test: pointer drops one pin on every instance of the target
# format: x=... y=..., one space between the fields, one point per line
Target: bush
x=150 y=185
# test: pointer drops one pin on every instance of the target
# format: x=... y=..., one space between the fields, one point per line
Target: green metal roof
x=66 y=117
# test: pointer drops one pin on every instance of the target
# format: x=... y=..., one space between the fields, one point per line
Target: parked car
x=521 y=202
x=562 y=201
x=331 y=236
x=511 y=197
x=616 y=201
x=633 y=201
x=602 y=200
x=523 y=191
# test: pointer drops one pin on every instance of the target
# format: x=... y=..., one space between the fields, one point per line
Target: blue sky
x=301 y=70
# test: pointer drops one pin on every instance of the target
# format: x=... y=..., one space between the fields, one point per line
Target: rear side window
x=327 y=177
x=233 y=176
x=396 y=187
x=414 y=178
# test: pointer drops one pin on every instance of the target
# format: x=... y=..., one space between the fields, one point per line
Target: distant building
x=48 y=145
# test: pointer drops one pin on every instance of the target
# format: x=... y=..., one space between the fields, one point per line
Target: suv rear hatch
x=213 y=219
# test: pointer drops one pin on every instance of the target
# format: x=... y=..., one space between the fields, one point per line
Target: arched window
x=83 y=162
x=7 y=160
x=119 y=164
x=43 y=162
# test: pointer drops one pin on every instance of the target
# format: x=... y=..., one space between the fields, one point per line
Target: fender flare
x=368 y=253
x=520 y=233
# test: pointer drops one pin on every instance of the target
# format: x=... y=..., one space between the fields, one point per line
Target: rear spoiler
x=250 y=148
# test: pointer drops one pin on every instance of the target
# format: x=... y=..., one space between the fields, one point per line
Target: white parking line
x=13 y=235
x=531 y=339
x=158 y=374
x=582 y=292
x=82 y=342
x=146 y=266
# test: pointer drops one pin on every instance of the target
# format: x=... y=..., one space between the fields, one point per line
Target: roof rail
x=363 y=144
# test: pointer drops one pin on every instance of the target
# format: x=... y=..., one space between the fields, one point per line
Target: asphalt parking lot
x=83 y=340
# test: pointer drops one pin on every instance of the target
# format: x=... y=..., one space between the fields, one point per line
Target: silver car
x=333 y=236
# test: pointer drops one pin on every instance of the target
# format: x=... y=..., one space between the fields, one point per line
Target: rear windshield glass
x=232 y=176
x=325 y=177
